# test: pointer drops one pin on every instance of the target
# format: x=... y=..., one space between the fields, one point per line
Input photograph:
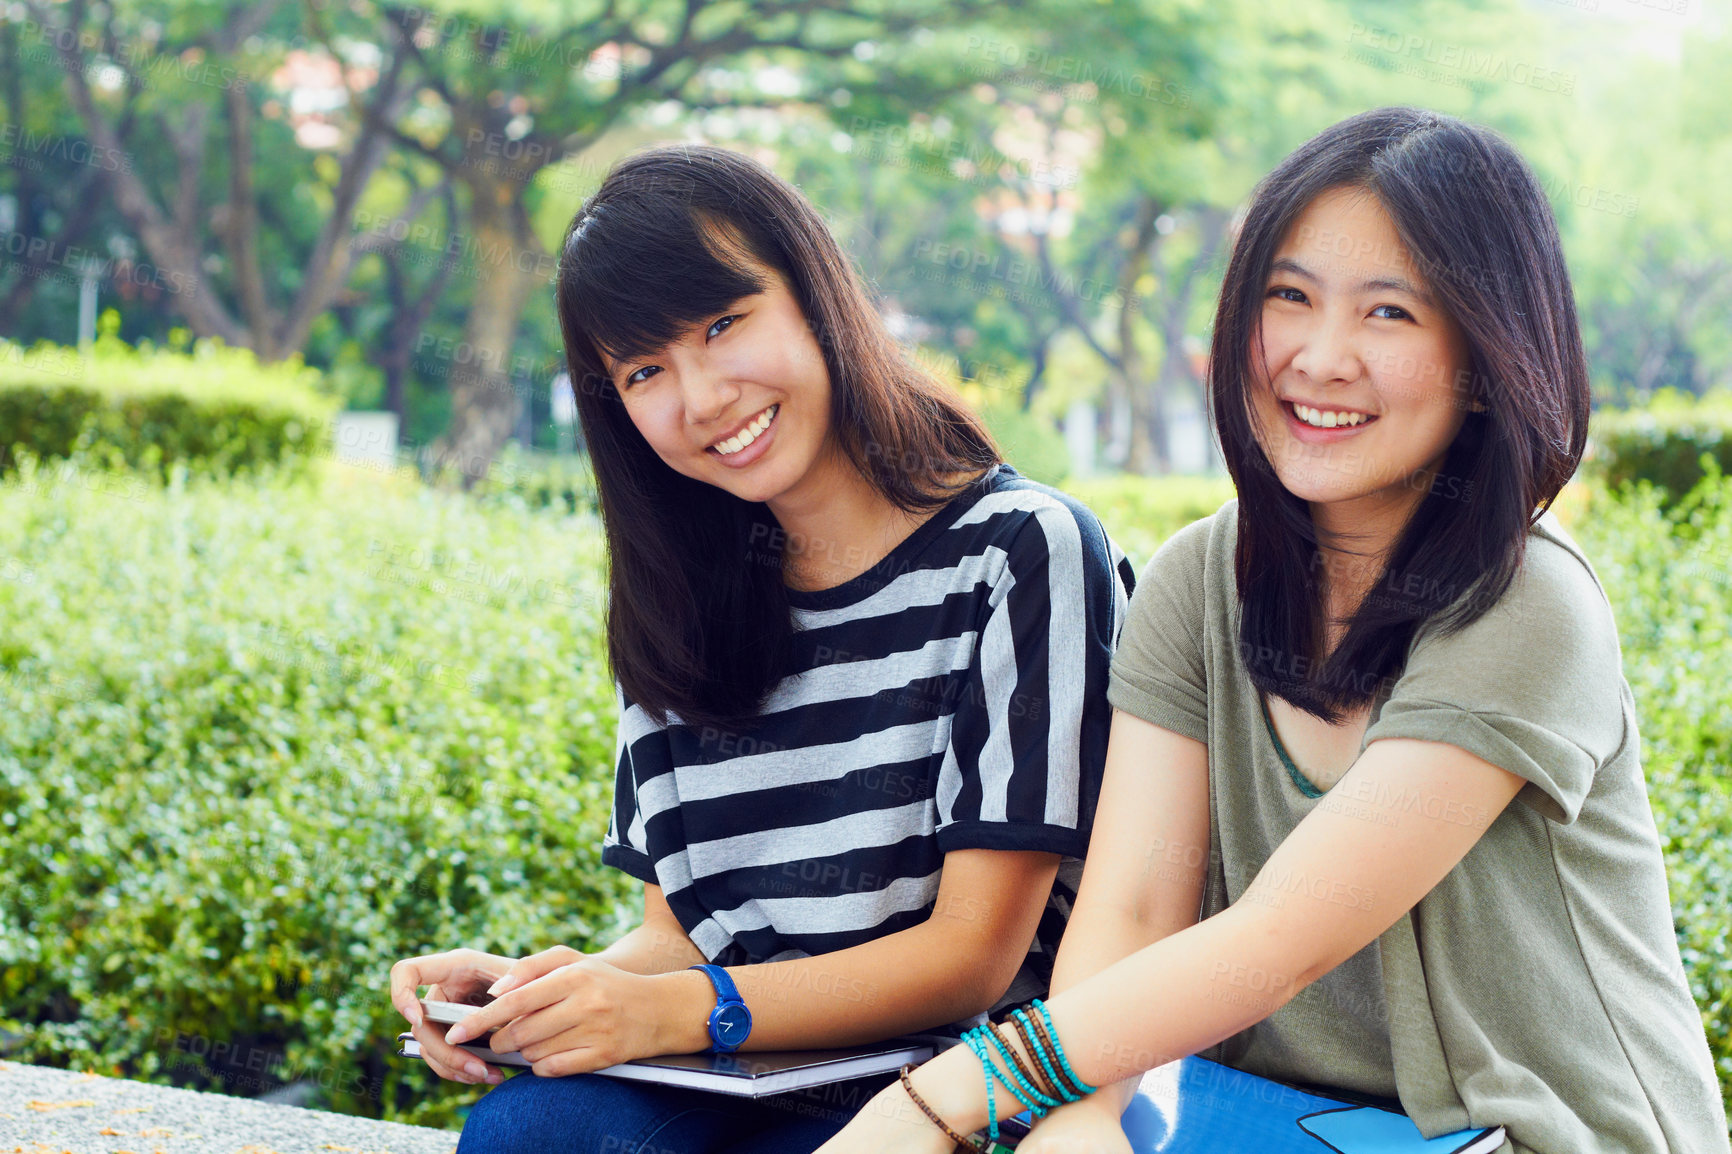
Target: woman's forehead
x=1345 y=238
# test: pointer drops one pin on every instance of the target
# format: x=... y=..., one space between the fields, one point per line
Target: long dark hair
x=698 y=620
x=1477 y=226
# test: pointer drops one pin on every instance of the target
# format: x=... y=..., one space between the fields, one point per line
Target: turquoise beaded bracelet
x=1059 y=1049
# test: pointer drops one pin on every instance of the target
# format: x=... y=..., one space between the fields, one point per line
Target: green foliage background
x=261 y=741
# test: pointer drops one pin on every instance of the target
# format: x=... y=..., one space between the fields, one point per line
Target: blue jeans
x=590 y=1114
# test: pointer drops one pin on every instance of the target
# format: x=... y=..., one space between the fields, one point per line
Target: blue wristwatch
x=730 y=1021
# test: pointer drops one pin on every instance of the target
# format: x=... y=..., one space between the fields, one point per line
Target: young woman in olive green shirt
x=1373 y=816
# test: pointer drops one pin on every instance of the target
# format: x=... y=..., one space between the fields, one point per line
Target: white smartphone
x=447 y=1013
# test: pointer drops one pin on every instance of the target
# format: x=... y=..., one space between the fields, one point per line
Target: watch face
x=730 y=1024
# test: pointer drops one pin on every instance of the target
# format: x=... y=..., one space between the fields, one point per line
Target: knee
x=581 y=1114
x=515 y=1118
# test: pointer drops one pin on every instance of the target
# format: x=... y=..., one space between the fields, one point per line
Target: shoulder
x=1546 y=652
x=1554 y=605
x=1201 y=548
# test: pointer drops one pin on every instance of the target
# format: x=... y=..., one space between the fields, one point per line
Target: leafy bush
x=212 y=408
x=1663 y=443
x=537 y=480
x=1667 y=567
x=259 y=742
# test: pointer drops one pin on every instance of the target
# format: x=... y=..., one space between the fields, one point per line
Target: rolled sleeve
x=1027 y=746
x=625 y=846
x=1534 y=686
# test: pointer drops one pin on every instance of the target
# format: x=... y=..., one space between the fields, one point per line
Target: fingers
x=405 y=981
x=504 y=1010
x=451 y=1062
x=526 y=970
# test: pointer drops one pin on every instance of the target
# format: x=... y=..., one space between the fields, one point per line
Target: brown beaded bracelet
x=1073 y=1091
x=962 y=1144
x=1036 y=1077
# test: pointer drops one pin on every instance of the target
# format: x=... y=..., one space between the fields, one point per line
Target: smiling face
x=1357 y=393
x=741 y=401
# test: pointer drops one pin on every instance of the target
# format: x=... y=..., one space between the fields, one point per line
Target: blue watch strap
x=726 y=991
x=731 y=1021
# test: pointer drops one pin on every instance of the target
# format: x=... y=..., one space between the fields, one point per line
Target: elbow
x=1278 y=957
x=985 y=977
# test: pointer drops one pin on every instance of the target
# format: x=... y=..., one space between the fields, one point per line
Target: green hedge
x=259 y=742
x=212 y=408
x=1667 y=566
x=527 y=479
x=1663 y=443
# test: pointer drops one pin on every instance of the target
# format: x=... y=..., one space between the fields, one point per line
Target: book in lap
x=751 y=1074
x=1195 y=1106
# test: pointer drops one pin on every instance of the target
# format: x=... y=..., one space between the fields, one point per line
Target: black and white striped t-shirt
x=951 y=697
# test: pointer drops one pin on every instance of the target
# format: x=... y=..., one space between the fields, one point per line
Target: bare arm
x=576 y=1013
x=1147 y=862
x=1364 y=868
x=956 y=963
x=659 y=946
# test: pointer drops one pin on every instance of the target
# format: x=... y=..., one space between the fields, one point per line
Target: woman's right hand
x=461 y=976
x=1085 y=1127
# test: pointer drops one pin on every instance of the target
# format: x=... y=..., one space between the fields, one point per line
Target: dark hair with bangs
x=698 y=620
x=1477 y=226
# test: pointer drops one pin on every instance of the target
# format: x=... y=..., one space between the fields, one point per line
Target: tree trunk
x=1175 y=370
x=1147 y=451
x=509 y=264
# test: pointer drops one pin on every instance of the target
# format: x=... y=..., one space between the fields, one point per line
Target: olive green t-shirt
x=1538 y=986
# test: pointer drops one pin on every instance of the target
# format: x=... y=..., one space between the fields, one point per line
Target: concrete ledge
x=49 y=1111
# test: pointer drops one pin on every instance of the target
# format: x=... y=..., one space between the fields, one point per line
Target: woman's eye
x=637 y=376
x=722 y=325
x=1287 y=293
x=1400 y=314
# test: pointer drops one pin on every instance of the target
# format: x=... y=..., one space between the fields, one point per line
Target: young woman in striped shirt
x=862 y=667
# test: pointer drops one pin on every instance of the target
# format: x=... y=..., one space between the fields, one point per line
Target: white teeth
x=1318 y=418
x=748 y=434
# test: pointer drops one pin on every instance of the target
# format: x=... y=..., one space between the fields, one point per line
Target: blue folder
x=1195 y=1106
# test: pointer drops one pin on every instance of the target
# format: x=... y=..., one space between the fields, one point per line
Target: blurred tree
x=192 y=62
x=57 y=205
x=515 y=88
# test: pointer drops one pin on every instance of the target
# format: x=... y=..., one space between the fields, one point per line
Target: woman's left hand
x=574 y=1018
x=889 y=1124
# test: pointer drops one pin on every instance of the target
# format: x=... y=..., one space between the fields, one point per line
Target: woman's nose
x=707 y=394
x=1328 y=353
